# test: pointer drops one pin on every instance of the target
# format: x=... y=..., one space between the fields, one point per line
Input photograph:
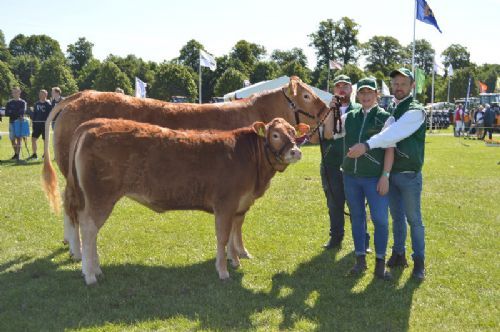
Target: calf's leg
x=237 y=237
x=223 y=226
x=89 y=232
x=72 y=237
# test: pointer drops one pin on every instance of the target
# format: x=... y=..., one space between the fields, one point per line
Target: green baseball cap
x=367 y=82
x=342 y=78
x=402 y=71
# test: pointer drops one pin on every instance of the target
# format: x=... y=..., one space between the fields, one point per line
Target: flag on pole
x=334 y=65
x=419 y=79
x=497 y=86
x=450 y=70
x=438 y=69
x=425 y=14
x=140 y=88
x=385 y=89
x=482 y=87
x=206 y=60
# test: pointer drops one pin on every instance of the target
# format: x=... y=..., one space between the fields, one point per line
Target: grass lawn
x=159 y=271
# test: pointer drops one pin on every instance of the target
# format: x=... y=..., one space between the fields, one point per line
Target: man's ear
x=259 y=128
x=302 y=129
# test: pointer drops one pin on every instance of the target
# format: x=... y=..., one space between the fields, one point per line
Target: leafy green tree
x=488 y=74
x=133 y=67
x=383 y=53
x=459 y=83
x=111 y=77
x=173 y=80
x=53 y=72
x=456 y=55
x=424 y=55
x=190 y=54
x=209 y=78
x=4 y=51
x=231 y=80
x=336 y=40
x=40 y=46
x=248 y=53
x=284 y=57
x=25 y=67
x=87 y=75
x=7 y=81
x=79 y=54
x=263 y=71
x=294 y=68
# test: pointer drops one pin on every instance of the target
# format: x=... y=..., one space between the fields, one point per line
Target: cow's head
x=280 y=140
x=306 y=101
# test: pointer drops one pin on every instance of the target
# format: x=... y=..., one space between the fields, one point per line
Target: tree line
x=37 y=61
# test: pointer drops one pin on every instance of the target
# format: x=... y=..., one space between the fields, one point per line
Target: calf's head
x=280 y=139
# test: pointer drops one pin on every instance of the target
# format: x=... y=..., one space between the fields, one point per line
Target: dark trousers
x=488 y=130
x=333 y=186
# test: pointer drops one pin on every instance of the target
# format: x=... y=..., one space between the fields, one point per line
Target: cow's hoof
x=90 y=280
x=224 y=276
x=245 y=255
x=235 y=263
x=98 y=272
x=76 y=257
x=65 y=242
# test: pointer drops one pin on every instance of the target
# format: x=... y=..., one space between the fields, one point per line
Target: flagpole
x=432 y=93
x=199 y=77
x=413 y=51
x=449 y=79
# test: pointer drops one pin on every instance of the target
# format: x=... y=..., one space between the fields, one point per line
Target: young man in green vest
x=331 y=176
x=408 y=133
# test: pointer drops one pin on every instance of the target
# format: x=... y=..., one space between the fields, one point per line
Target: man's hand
x=356 y=150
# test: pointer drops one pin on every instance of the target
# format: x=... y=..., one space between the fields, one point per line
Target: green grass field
x=159 y=269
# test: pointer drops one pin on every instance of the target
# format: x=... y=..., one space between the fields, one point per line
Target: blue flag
x=425 y=14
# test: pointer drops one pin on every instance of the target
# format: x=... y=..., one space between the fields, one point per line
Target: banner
x=140 y=88
x=425 y=14
x=482 y=87
x=419 y=79
x=385 y=89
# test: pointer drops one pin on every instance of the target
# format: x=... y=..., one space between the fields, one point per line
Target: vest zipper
x=359 y=140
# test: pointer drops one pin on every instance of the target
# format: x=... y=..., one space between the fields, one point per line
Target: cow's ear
x=260 y=128
x=292 y=87
x=302 y=129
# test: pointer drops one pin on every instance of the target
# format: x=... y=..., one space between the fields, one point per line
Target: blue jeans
x=405 y=190
x=333 y=186
x=356 y=190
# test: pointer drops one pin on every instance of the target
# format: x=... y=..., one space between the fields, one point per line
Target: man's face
x=16 y=93
x=401 y=86
x=342 y=90
x=42 y=96
x=55 y=94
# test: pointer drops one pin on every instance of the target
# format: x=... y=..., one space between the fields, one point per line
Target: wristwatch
x=386 y=174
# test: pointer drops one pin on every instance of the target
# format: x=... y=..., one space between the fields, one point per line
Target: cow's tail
x=73 y=195
x=49 y=176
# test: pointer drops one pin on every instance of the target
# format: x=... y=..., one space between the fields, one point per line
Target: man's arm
x=401 y=129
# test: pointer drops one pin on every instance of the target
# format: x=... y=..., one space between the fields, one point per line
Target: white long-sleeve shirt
x=407 y=124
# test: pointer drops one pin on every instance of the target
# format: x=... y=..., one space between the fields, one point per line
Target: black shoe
x=15 y=157
x=418 y=269
x=397 y=260
x=380 y=271
x=360 y=265
x=333 y=244
x=33 y=156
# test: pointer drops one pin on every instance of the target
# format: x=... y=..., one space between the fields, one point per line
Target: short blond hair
x=57 y=89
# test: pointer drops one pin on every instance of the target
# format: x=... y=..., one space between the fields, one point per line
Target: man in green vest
x=331 y=176
x=405 y=189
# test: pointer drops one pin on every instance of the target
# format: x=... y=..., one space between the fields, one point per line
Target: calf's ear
x=259 y=128
x=292 y=87
x=302 y=129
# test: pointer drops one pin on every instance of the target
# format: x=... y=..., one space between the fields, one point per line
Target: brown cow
x=289 y=102
x=224 y=172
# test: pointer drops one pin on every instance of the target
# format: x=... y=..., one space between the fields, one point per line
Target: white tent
x=271 y=85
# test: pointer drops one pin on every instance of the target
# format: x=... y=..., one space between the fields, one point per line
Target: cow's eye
x=276 y=136
x=307 y=96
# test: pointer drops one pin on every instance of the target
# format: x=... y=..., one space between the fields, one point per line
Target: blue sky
x=156 y=30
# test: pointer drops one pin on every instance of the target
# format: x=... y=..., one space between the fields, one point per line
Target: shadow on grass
x=49 y=294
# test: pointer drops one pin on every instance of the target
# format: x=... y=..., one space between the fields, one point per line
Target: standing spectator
x=331 y=175
x=479 y=122
x=367 y=177
x=489 y=121
x=405 y=185
x=15 y=109
x=56 y=98
x=459 y=120
x=39 y=115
